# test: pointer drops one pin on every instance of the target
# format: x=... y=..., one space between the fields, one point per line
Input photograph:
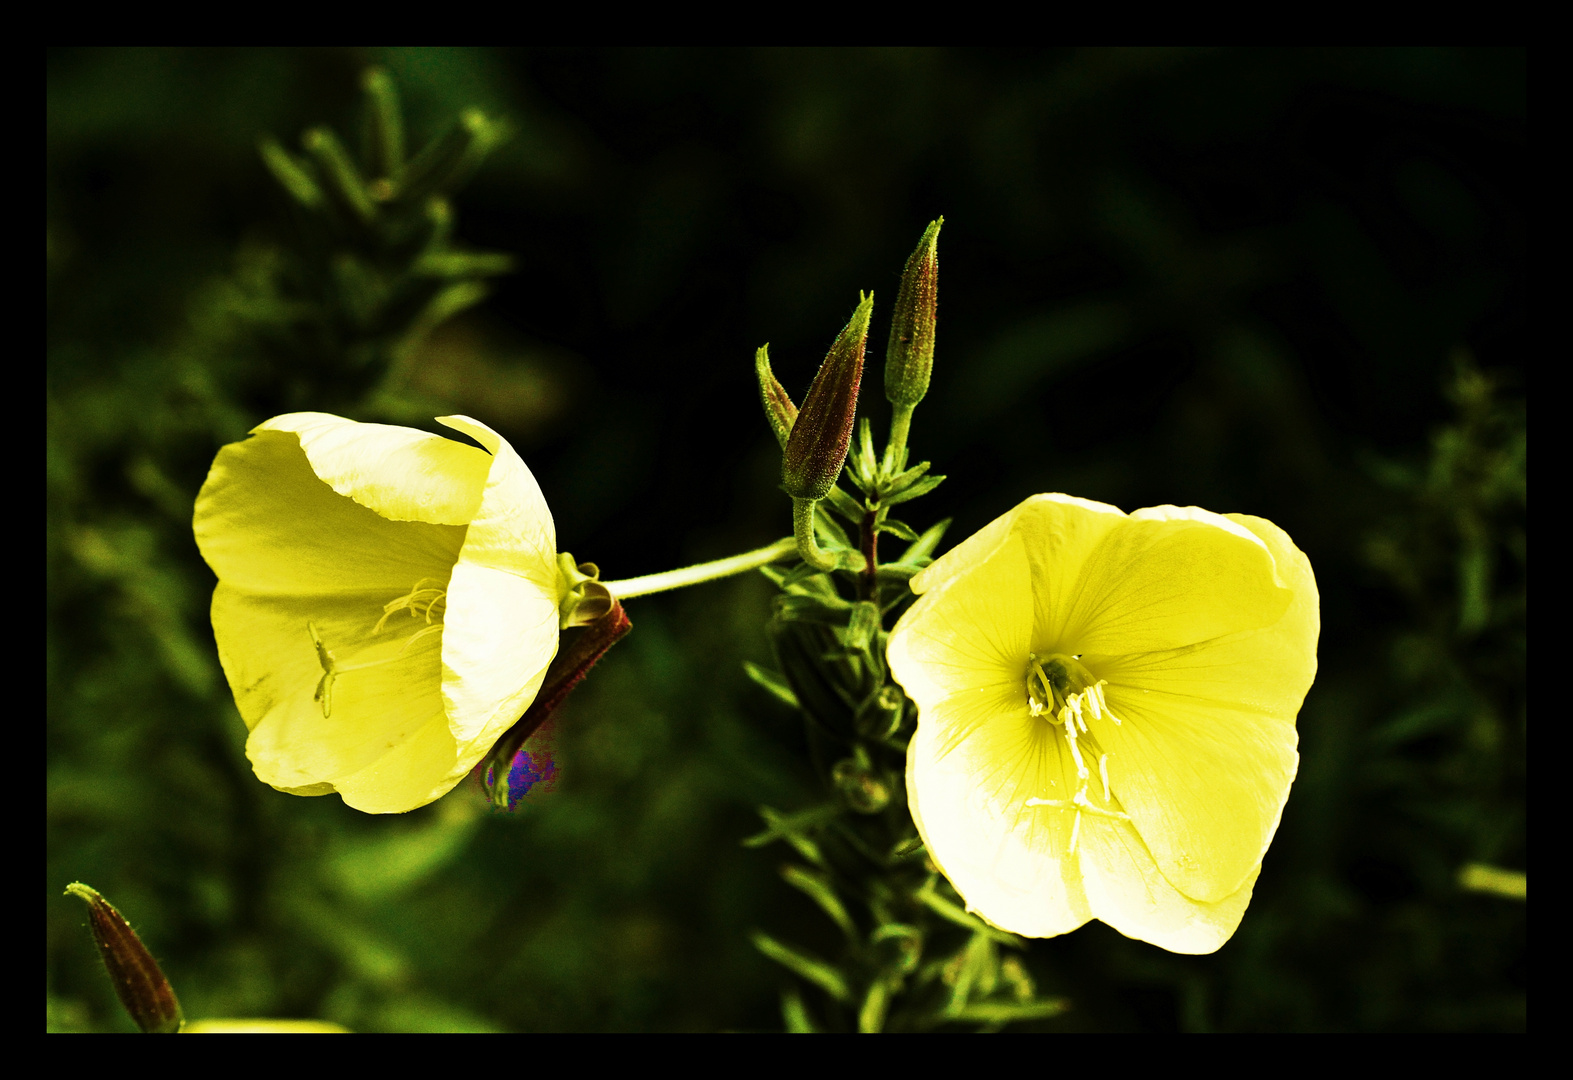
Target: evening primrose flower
x=1106 y=714
x=387 y=601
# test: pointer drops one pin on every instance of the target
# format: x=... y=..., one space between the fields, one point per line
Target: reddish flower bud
x=142 y=988
x=817 y=448
x=910 y=357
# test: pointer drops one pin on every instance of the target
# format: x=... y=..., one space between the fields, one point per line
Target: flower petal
x=1206 y=752
x=969 y=637
x=268 y=526
x=978 y=756
x=1204 y=628
x=1150 y=583
x=1008 y=860
x=421 y=768
x=501 y=630
x=275 y=673
x=1126 y=890
x=401 y=473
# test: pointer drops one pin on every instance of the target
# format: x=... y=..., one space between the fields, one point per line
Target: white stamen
x=1103 y=771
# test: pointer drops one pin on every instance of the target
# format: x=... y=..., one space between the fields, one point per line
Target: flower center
x=1062 y=691
x=425 y=599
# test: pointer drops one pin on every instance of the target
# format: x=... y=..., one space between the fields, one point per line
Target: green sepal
x=780 y=411
x=909 y=848
x=809 y=968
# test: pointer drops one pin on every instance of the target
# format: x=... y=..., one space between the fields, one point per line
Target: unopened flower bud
x=140 y=984
x=779 y=409
x=817 y=448
x=860 y=784
x=910 y=357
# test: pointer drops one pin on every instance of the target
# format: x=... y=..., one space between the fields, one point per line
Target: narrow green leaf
x=794 y=1014
x=798 y=607
x=922 y=487
x=343 y=178
x=1003 y=1012
x=807 y=967
x=951 y=913
x=300 y=184
x=845 y=505
x=773 y=683
x=817 y=887
x=926 y=543
x=460 y=264
x=830 y=533
x=386 y=134
x=794 y=828
x=871 y=1017
x=866 y=457
x=898 y=528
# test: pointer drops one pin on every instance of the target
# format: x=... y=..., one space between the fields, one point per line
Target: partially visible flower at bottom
x=387 y=602
x=1106 y=714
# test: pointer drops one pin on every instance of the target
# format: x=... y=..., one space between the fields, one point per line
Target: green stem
x=807 y=544
x=895 y=449
x=808 y=548
x=693 y=575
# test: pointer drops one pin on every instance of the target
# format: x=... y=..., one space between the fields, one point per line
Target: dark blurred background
x=1280 y=282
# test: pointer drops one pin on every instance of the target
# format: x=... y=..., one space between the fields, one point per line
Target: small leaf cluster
x=373 y=266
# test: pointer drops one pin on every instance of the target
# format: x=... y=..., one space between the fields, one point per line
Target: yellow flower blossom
x=387 y=601
x=1106 y=714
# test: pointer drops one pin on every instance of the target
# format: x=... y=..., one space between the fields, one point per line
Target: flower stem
x=693 y=575
x=895 y=449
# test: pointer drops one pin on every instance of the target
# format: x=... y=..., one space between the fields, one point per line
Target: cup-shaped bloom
x=387 y=601
x=1106 y=714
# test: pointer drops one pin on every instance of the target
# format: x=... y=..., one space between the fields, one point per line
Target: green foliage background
x=1286 y=283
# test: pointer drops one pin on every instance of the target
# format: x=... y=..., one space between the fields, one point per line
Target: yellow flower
x=1106 y=711
x=387 y=602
